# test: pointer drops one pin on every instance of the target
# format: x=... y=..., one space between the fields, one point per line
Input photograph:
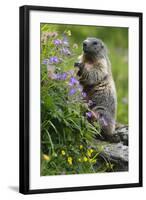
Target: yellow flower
x=81 y=146
x=69 y=160
x=46 y=157
x=89 y=152
x=92 y=161
x=63 y=152
x=85 y=159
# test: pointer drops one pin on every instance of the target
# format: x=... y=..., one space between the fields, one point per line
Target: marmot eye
x=94 y=43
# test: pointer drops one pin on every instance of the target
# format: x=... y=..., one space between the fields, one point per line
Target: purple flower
x=53 y=59
x=89 y=114
x=63 y=76
x=84 y=94
x=65 y=41
x=65 y=51
x=58 y=76
x=72 y=91
x=73 y=81
x=57 y=42
x=45 y=62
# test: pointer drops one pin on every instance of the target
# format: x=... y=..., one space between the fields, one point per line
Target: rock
x=116 y=153
x=122 y=131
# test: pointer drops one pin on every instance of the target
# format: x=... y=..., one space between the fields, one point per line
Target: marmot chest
x=104 y=87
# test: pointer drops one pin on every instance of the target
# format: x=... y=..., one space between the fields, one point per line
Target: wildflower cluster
x=87 y=155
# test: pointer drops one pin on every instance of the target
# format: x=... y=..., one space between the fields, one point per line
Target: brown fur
x=97 y=81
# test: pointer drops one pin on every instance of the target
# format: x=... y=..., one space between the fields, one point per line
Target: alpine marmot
x=95 y=76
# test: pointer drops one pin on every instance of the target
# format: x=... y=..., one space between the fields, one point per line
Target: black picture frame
x=25 y=105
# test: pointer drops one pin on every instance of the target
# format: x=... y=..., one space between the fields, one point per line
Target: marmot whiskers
x=96 y=78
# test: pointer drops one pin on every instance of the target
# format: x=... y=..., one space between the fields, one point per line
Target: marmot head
x=93 y=46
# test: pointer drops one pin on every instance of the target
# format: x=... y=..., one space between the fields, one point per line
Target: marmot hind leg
x=107 y=125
